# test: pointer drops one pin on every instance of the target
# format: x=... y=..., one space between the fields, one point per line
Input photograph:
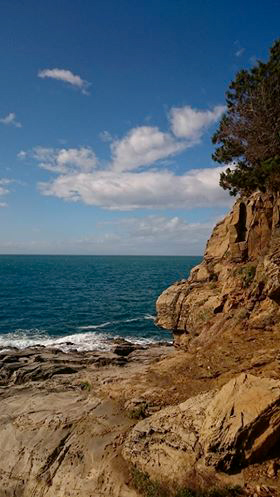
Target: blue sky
x=106 y=116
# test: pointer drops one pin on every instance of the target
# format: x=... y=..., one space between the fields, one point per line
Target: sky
x=106 y=116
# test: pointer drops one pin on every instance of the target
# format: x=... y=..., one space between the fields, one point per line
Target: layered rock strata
x=238 y=281
x=225 y=430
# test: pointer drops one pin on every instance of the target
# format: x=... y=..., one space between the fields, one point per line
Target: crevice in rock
x=241 y=225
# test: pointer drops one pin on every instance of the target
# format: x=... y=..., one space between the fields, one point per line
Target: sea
x=83 y=302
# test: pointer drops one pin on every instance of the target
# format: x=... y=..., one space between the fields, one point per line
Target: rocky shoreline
x=49 y=397
x=39 y=363
x=75 y=424
x=159 y=420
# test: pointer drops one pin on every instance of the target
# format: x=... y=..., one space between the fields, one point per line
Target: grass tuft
x=149 y=488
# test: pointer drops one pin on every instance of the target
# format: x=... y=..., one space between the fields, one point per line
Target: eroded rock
x=221 y=430
x=240 y=270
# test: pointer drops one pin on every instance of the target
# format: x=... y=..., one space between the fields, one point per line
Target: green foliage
x=149 y=488
x=139 y=412
x=85 y=385
x=249 y=131
x=246 y=274
x=204 y=315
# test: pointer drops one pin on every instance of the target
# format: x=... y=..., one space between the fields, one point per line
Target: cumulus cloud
x=190 y=123
x=125 y=191
x=136 y=177
x=62 y=160
x=143 y=146
x=10 y=120
x=67 y=77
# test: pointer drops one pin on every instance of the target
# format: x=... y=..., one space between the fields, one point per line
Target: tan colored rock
x=242 y=422
x=166 y=445
x=57 y=437
x=223 y=430
x=240 y=270
x=200 y=273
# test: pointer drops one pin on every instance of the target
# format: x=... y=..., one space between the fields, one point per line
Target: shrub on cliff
x=249 y=131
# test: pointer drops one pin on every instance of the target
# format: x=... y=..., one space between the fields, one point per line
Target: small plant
x=139 y=412
x=246 y=274
x=241 y=314
x=85 y=385
x=205 y=315
x=149 y=488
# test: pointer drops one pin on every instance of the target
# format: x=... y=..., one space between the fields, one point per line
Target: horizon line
x=100 y=255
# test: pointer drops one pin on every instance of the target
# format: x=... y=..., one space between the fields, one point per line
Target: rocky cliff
x=155 y=421
x=237 y=285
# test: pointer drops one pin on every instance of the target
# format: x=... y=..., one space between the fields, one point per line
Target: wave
x=108 y=323
x=149 y=316
x=78 y=341
x=95 y=326
x=22 y=339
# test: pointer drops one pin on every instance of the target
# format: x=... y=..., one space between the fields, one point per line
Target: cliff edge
x=237 y=285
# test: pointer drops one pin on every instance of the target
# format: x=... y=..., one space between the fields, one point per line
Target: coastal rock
x=124 y=348
x=221 y=430
x=60 y=428
x=239 y=272
x=242 y=422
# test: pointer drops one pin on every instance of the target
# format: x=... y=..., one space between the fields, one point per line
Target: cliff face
x=238 y=282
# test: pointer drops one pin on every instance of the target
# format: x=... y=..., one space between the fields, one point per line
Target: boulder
x=242 y=422
x=218 y=430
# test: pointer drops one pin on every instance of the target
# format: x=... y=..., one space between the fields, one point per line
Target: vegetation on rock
x=248 y=136
x=150 y=488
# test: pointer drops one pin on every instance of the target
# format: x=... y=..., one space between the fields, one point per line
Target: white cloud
x=4 y=182
x=143 y=146
x=64 y=160
x=66 y=76
x=105 y=136
x=137 y=175
x=239 y=52
x=10 y=120
x=159 y=235
x=153 y=228
x=190 y=123
x=139 y=190
x=22 y=154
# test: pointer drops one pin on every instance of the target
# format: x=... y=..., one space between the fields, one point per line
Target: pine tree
x=248 y=136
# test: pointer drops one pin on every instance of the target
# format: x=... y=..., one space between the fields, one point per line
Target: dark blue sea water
x=84 y=299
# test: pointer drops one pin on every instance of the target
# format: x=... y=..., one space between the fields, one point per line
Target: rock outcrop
x=225 y=430
x=238 y=281
x=69 y=423
x=60 y=433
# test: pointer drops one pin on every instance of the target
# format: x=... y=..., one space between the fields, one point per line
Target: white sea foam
x=149 y=316
x=95 y=326
x=108 y=323
x=78 y=341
